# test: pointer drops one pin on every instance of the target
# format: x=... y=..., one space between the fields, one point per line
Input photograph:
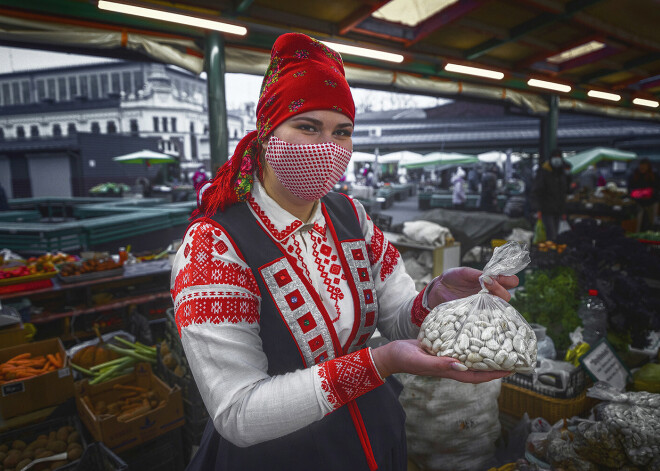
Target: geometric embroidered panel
x=299 y=310
x=360 y=267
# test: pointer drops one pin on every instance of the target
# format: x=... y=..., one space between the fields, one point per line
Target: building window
x=173 y=123
x=104 y=85
x=134 y=127
x=16 y=92
x=41 y=90
x=71 y=129
x=57 y=130
x=25 y=88
x=116 y=85
x=94 y=86
x=164 y=124
x=138 y=79
x=156 y=124
x=192 y=127
x=20 y=132
x=111 y=127
x=84 y=89
x=96 y=129
x=6 y=94
x=51 y=88
x=34 y=131
x=206 y=129
x=128 y=85
x=61 y=88
x=2 y=134
x=73 y=87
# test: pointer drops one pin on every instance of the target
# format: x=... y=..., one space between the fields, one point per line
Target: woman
x=280 y=284
x=643 y=187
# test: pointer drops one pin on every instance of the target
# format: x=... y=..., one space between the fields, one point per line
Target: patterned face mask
x=309 y=171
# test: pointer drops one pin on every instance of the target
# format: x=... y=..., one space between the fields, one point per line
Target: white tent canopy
x=400 y=157
x=498 y=157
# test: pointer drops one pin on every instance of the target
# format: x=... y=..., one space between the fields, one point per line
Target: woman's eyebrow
x=316 y=122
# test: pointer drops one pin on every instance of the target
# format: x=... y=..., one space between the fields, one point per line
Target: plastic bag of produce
x=483 y=331
x=450 y=426
x=539 y=232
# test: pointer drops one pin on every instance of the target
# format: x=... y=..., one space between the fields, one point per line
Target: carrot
x=54 y=360
x=130 y=388
x=60 y=361
x=22 y=356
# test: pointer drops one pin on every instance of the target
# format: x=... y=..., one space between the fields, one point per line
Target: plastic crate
x=97 y=457
x=164 y=453
x=515 y=401
x=578 y=382
x=30 y=433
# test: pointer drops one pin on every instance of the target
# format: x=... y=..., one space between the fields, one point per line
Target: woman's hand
x=406 y=356
x=462 y=282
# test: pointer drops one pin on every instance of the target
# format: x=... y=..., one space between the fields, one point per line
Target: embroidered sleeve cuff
x=348 y=377
x=420 y=307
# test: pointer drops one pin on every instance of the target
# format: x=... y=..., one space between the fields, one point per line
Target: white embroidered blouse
x=217 y=303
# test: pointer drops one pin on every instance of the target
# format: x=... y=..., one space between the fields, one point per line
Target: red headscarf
x=303 y=75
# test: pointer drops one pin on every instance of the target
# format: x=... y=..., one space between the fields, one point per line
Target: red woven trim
x=228 y=308
x=375 y=246
x=268 y=224
x=419 y=312
x=348 y=377
x=390 y=261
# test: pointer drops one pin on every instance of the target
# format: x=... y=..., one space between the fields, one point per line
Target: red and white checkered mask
x=309 y=171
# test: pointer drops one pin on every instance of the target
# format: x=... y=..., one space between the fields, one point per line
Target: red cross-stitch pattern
x=268 y=224
x=230 y=308
x=348 y=377
x=294 y=247
x=202 y=267
x=390 y=260
x=329 y=270
x=418 y=313
x=375 y=248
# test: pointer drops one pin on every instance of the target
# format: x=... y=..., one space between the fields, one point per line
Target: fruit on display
x=551 y=246
x=88 y=266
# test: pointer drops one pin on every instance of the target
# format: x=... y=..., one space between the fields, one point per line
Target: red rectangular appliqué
x=307 y=322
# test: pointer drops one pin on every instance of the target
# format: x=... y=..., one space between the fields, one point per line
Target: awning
x=497 y=157
x=400 y=157
x=445 y=159
x=586 y=158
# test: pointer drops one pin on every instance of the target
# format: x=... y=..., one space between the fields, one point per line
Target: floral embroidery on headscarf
x=300 y=74
x=337 y=108
x=272 y=75
x=330 y=83
x=245 y=180
x=329 y=53
x=301 y=54
x=295 y=105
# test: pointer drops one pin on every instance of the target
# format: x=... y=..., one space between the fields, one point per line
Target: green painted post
x=215 y=80
x=549 y=124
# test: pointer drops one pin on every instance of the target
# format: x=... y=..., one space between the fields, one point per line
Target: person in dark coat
x=643 y=187
x=4 y=204
x=488 y=198
x=551 y=187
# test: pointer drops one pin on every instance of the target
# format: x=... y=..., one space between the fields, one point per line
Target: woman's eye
x=344 y=133
x=307 y=127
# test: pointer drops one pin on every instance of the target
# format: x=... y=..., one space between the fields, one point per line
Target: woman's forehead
x=326 y=117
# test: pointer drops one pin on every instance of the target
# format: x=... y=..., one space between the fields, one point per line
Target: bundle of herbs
x=550 y=297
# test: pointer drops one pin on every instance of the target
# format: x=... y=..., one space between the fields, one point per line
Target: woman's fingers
x=496 y=289
x=508 y=281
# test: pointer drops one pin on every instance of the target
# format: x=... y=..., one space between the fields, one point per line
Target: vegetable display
x=127 y=356
x=133 y=402
x=25 y=366
x=18 y=454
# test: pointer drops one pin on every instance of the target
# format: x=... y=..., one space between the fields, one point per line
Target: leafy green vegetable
x=551 y=298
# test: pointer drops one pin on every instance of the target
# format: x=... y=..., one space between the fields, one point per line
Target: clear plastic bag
x=483 y=331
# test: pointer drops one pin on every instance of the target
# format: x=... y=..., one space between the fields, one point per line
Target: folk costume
x=274 y=313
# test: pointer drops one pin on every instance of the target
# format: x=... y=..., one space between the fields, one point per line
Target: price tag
x=588 y=205
x=63 y=372
x=13 y=388
x=603 y=364
x=616 y=208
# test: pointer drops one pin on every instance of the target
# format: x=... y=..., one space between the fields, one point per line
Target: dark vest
x=294 y=332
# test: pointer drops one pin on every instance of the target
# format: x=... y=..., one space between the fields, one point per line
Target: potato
x=74 y=454
x=23 y=463
x=3 y=455
x=57 y=464
x=43 y=454
x=52 y=436
x=74 y=437
x=38 y=443
x=56 y=446
x=42 y=437
x=27 y=453
x=73 y=446
x=62 y=433
x=12 y=459
x=18 y=445
x=4 y=448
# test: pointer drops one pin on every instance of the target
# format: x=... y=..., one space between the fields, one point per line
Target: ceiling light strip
x=559 y=87
x=645 y=102
x=464 y=69
x=172 y=17
x=364 y=52
x=604 y=95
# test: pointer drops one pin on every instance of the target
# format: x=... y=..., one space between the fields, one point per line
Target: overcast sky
x=240 y=88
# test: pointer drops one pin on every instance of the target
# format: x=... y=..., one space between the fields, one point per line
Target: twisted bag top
x=303 y=75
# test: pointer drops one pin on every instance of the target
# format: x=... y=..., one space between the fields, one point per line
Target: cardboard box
x=11 y=336
x=48 y=389
x=121 y=436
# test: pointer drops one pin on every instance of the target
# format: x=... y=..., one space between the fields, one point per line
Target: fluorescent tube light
x=549 y=85
x=578 y=51
x=644 y=102
x=604 y=95
x=364 y=52
x=172 y=17
x=464 y=69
